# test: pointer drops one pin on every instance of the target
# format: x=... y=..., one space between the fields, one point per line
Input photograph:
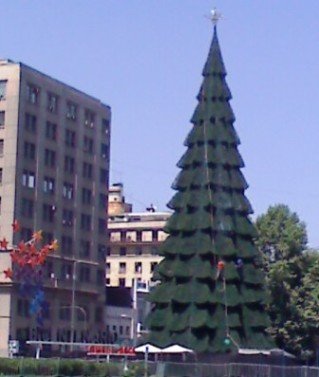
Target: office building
x=134 y=238
x=54 y=172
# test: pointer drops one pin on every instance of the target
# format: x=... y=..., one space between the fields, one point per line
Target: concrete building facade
x=134 y=238
x=54 y=173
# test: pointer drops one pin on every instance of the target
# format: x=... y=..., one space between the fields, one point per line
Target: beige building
x=54 y=171
x=134 y=238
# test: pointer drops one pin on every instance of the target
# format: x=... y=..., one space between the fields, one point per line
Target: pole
x=73 y=305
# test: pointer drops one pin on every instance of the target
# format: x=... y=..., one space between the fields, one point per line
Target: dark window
x=71 y=111
x=139 y=236
x=1 y=173
x=49 y=158
x=33 y=94
x=103 y=201
x=85 y=248
x=86 y=196
x=30 y=123
x=87 y=170
x=89 y=118
x=85 y=274
x=153 y=266
x=122 y=268
x=88 y=145
x=66 y=271
x=101 y=252
x=85 y=222
x=108 y=281
x=138 y=267
x=51 y=131
x=52 y=104
x=67 y=217
x=122 y=282
x=108 y=267
x=28 y=179
x=26 y=234
x=3 y=89
x=49 y=185
x=69 y=164
x=70 y=138
x=48 y=211
x=122 y=251
x=155 y=235
x=29 y=151
x=105 y=126
x=104 y=176
x=68 y=190
x=102 y=226
x=27 y=208
x=66 y=245
x=1 y=147
x=104 y=151
x=2 y=119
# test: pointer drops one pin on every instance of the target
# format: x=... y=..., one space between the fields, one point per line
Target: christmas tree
x=211 y=293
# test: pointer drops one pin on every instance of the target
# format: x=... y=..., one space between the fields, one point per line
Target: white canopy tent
x=176 y=348
x=149 y=348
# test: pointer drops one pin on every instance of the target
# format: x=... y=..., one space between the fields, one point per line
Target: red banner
x=96 y=350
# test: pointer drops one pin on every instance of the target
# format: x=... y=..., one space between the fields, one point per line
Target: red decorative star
x=8 y=273
x=4 y=244
x=15 y=226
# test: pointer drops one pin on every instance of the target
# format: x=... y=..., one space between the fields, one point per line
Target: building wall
x=74 y=212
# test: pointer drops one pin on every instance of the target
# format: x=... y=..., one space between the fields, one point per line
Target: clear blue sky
x=144 y=58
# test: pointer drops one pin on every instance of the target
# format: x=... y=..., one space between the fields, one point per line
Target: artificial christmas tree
x=211 y=292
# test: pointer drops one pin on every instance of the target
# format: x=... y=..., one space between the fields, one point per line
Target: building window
x=105 y=126
x=101 y=251
x=138 y=267
x=1 y=174
x=49 y=185
x=102 y=226
x=103 y=201
x=86 y=196
x=2 y=119
x=68 y=190
x=70 y=138
x=104 y=151
x=3 y=89
x=88 y=145
x=85 y=274
x=47 y=237
x=108 y=267
x=87 y=170
x=23 y=307
x=51 y=131
x=138 y=236
x=89 y=118
x=30 y=123
x=1 y=147
x=27 y=208
x=85 y=249
x=153 y=266
x=122 y=268
x=49 y=158
x=104 y=176
x=138 y=251
x=29 y=151
x=52 y=104
x=108 y=281
x=66 y=271
x=67 y=217
x=33 y=94
x=26 y=234
x=69 y=164
x=85 y=222
x=28 y=179
x=122 y=282
x=67 y=245
x=48 y=211
x=122 y=251
x=71 y=111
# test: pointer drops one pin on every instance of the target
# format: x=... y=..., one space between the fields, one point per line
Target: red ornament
x=220 y=265
x=8 y=273
x=15 y=226
x=4 y=244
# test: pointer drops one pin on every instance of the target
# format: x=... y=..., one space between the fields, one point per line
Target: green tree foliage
x=292 y=280
x=211 y=294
